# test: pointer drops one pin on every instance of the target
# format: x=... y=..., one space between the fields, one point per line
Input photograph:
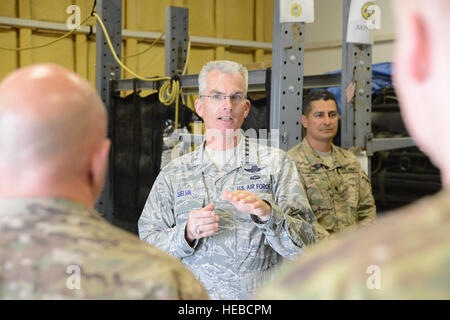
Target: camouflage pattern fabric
x=233 y=262
x=59 y=249
x=340 y=195
x=406 y=255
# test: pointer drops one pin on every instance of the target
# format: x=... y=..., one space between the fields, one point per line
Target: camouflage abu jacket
x=405 y=255
x=60 y=249
x=233 y=262
x=341 y=195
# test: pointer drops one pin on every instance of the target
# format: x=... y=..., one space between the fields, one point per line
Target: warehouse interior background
x=398 y=176
x=249 y=20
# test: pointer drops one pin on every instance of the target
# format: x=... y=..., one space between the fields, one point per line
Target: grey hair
x=224 y=66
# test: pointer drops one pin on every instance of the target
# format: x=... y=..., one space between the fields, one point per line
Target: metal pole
x=357 y=67
x=287 y=80
x=107 y=69
x=176 y=42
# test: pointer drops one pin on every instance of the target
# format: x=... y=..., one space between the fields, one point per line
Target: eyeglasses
x=218 y=98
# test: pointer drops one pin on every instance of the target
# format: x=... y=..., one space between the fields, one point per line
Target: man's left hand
x=248 y=202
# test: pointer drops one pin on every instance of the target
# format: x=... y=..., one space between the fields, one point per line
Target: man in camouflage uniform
x=54 y=245
x=232 y=209
x=406 y=255
x=338 y=190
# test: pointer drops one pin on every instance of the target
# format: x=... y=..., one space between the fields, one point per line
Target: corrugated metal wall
x=234 y=19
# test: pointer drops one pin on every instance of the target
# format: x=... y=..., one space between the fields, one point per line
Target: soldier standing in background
x=53 y=156
x=338 y=189
x=406 y=255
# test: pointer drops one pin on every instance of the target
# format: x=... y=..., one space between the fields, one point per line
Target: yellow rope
x=49 y=43
x=144 y=51
x=187 y=57
x=169 y=91
x=113 y=52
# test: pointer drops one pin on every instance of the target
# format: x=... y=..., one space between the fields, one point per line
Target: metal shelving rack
x=356 y=128
x=107 y=70
x=286 y=78
x=256 y=82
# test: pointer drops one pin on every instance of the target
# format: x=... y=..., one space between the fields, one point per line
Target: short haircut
x=224 y=66
x=316 y=95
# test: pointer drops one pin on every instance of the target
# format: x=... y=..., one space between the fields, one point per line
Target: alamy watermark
x=74 y=20
x=374 y=280
x=73 y=282
x=372 y=14
x=266 y=141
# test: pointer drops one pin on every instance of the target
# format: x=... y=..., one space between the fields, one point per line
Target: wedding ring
x=197 y=230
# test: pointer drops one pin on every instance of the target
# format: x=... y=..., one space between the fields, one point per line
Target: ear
x=419 y=55
x=99 y=163
x=304 y=121
x=246 y=108
x=198 y=107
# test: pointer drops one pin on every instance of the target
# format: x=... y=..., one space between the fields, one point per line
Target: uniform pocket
x=318 y=193
x=187 y=199
x=350 y=195
x=351 y=188
x=251 y=281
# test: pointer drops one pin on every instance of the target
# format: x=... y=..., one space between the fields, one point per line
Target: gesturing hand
x=201 y=223
x=249 y=202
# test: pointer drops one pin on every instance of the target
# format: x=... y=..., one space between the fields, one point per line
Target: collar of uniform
x=436 y=205
x=45 y=206
x=199 y=154
x=239 y=153
x=201 y=158
x=313 y=157
x=310 y=154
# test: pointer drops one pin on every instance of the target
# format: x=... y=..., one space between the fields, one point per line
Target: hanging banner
x=364 y=16
x=296 y=11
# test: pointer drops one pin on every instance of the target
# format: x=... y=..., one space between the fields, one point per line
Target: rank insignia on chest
x=252 y=168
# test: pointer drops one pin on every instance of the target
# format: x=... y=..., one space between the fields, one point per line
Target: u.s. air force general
x=232 y=209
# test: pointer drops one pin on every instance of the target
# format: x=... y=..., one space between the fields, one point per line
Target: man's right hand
x=204 y=220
